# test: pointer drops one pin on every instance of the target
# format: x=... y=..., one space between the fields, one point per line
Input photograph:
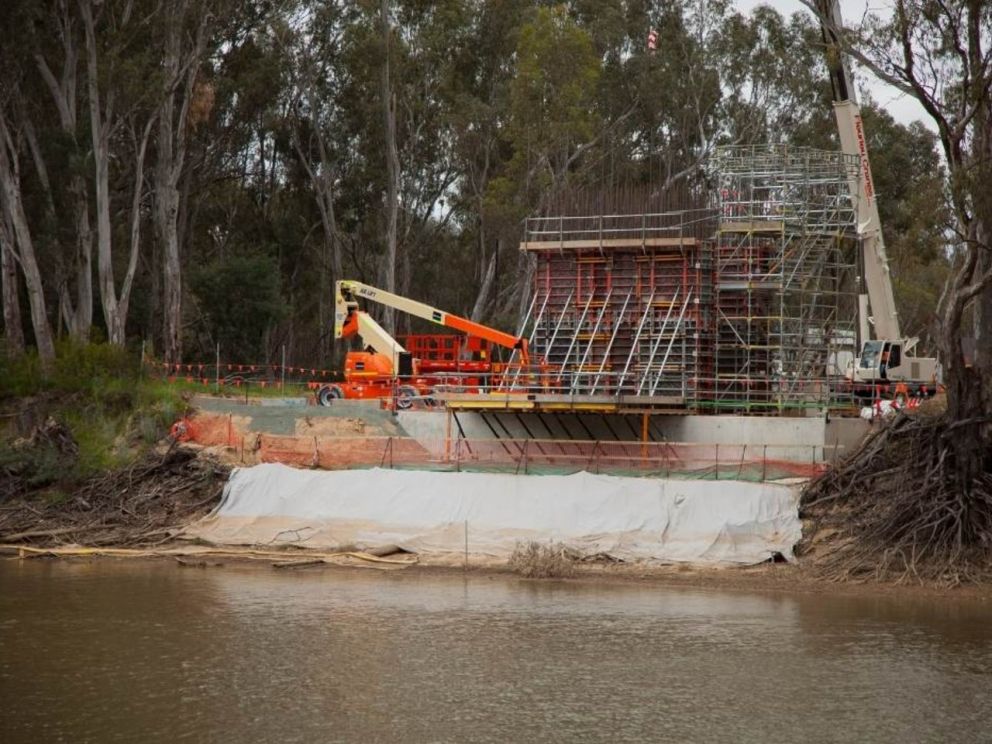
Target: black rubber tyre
x=405 y=396
x=328 y=394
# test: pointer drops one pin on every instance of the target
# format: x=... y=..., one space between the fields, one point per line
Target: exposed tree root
x=140 y=505
x=901 y=508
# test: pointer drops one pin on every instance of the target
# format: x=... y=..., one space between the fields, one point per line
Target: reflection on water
x=153 y=652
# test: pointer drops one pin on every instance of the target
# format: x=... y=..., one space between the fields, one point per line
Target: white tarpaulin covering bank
x=707 y=522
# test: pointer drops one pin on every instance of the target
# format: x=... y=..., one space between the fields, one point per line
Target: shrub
x=534 y=560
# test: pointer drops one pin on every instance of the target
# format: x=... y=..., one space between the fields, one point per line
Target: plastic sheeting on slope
x=706 y=522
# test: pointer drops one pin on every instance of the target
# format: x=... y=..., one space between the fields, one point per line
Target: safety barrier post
x=764 y=463
x=447 y=436
x=644 y=439
x=458 y=454
x=716 y=469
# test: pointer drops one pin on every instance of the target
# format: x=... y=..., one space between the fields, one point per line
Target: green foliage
x=551 y=111
x=239 y=298
x=37 y=466
x=103 y=371
x=501 y=107
x=99 y=392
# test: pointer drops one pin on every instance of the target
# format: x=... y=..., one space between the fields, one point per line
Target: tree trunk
x=12 y=330
x=982 y=363
x=323 y=185
x=167 y=204
x=83 y=315
x=100 y=125
x=482 y=299
x=392 y=170
x=79 y=314
x=181 y=68
x=13 y=207
x=32 y=280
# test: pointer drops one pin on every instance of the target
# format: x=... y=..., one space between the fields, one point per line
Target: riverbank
x=136 y=513
x=90 y=468
x=775 y=578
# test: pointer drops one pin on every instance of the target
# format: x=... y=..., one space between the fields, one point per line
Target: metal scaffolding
x=746 y=305
x=785 y=284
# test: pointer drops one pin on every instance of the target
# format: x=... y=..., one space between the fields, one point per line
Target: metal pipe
x=657 y=341
x=592 y=338
x=672 y=341
x=633 y=347
x=609 y=347
x=571 y=344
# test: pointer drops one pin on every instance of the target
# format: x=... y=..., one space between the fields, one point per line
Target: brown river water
x=153 y=652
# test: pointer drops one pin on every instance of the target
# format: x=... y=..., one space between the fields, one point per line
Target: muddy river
x=153 y=652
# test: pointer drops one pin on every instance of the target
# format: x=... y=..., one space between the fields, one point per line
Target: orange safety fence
x=520 y=456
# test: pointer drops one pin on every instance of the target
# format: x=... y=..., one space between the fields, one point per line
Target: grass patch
x=113 y=411
x=534 y=560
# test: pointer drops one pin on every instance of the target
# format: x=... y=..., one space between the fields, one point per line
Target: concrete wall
x=798 y=439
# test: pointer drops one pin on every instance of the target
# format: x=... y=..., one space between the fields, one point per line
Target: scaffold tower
x=785 y=283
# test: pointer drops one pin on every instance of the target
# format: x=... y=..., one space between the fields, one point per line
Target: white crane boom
x=884 y=358
x=878 y=279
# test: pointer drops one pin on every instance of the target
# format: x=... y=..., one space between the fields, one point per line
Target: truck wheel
x=328 y=394
x=405 y=396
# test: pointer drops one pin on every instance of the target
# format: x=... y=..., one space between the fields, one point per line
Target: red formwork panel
x=636 y=320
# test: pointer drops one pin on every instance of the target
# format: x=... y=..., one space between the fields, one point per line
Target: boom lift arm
x=350 y=319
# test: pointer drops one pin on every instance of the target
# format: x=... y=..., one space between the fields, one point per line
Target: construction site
x=740 y=327
x=707 y=341
x=718 y=338
x=745 y=304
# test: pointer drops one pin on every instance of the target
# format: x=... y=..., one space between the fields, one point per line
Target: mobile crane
x=884 y=360
x=385 y=368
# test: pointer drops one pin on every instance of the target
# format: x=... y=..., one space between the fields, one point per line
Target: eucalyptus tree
x=312 y=40
x=115 y=50
x=484 y=70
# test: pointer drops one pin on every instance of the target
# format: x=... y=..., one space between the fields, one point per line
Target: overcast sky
x=902 y=107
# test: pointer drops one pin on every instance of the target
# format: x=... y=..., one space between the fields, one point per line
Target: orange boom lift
x=385 y=367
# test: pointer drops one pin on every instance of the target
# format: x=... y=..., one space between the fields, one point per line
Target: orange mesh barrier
x=658 y=459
